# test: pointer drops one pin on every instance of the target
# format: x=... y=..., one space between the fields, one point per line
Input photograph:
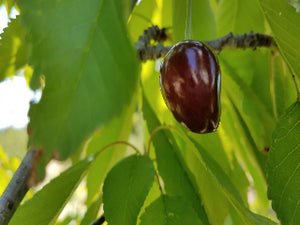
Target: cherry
x=190 y=85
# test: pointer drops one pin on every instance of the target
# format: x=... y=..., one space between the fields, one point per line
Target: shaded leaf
x=285 y=24
x=126 y=188
x=177 y=179
x=167 y=210
x=284 y=167
x=89 y=66
x=13 y=49
x=55 y=195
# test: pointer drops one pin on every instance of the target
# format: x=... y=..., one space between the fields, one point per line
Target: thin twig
x=23 y=179
x=230 y=41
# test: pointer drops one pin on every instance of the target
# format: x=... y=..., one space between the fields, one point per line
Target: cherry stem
x=251 y=40
x=161 y=127
x=118 y=143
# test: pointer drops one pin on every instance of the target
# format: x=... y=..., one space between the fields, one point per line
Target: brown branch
x=230 y=41
x=23 y=179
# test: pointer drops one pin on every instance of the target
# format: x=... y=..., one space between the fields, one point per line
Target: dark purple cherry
x=190 y=85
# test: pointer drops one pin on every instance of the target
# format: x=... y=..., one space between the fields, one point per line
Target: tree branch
x=23 y=179
x=230 y=41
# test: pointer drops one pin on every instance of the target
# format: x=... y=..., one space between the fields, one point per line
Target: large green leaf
x=285 y=24
x=177 y=179
x=13 y=49
x=47 y=204
x=83 y=51
x=194 y=15
x=284 y=167
x=126 y=188
x=167 y=210
x=239 y=16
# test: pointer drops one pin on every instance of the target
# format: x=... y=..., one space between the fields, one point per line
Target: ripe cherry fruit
x=190 y=85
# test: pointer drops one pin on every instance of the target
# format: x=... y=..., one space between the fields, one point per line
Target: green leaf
x=285 y=24
x=13 y=49
x=228 y=189
x=46 y=205
x=200 y=18
x=239 y=16
x=92 y=212
x=171 y=167
x=255 y=112
x=89 y=67
x=282 y=85
x=118 y=129
x=168 y=210
x=284 y=167
x=126 y=188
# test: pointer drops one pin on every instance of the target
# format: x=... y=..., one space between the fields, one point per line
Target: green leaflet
x=89 y=66
x=169 y=210
x=285 y=24
x=126 y=188
x=283 y=167
x=46 y=205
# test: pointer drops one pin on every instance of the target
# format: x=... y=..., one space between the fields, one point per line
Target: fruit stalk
x=252 y=40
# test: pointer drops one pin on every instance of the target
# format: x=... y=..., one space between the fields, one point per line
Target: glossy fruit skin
x=190 y=84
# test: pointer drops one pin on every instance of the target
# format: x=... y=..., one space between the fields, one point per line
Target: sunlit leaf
x=54 y=196
x=13 y=49
x=284 y=167
x=200 y=18
x=90 y=69
x=126 y=188
x=285 y=24
x=228 y=189
x=239 y=16
x=168 y=210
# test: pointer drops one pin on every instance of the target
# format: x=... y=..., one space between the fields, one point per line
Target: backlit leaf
x=13 y=49
x=82 y=49
x=285 y=24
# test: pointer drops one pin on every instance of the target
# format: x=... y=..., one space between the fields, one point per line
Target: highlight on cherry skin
x=190 y=85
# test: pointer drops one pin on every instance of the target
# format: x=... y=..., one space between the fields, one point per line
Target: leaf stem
x=118 y=143
x=161 y=127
